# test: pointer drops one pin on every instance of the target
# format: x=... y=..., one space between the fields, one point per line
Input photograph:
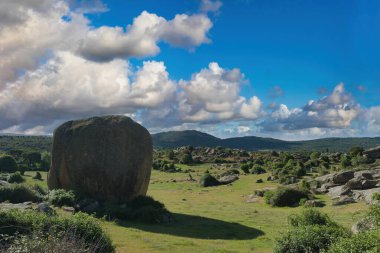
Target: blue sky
x=300 y=46
x=285 y=69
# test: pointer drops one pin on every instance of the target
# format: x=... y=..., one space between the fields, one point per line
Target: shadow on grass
x=199 y=227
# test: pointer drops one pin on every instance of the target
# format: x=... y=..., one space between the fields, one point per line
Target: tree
x=354 y=151
x=8 y=164
x=186 y=158
x=171 y=155
x=32 y=158
x=45 y=161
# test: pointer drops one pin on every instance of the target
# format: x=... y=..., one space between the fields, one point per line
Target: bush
x=284 y=196
x=230 y=172
x=61 y=197
x=18 y=194
x=376 y=196
x=85 y=228
x=257 y=169
x=310 y=239
x=245 y=167
x=8 y=164
x=308 y=217
x=15 y=178
x=360 y=243
x=142 y=208
x=38 y=176
x=207 y=180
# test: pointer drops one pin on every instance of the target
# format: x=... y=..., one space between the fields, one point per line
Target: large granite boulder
x=108 y=158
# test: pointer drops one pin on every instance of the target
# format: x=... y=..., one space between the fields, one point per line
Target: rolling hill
x=174 y=139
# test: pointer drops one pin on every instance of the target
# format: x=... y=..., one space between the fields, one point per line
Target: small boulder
x=228 y=179
x=259 y=181
x=45 y=208
x=342 y=177
x=68 y=209
x=363 y=225
x=325 y=178
x=344 y=201
x=88 y=205
x=313 y=203
x=337 y=191
x=373 y=153
x=367 y=174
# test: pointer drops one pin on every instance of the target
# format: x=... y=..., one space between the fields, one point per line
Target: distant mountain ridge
x=174 y=139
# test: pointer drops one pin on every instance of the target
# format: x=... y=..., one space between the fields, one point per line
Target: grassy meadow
x=214 y=219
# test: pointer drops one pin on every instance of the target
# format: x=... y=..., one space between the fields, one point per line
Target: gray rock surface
x=342 y=177
x=45 y=208
x=343 y=201
x=365 y=195
x=108 y=158
x=373 y=153
x=228 y=179
x=337 y=191
x=20 y=206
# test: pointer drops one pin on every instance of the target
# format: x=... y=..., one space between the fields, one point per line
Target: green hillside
x=194 y=138
x=183 y=138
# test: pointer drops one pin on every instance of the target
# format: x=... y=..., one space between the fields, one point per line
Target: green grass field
x=215 y=219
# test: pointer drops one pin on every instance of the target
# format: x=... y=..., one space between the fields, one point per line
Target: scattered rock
x=108 y=158
x=88 y=205
x=365 y=195
x=325 y=178
x=313 y=203
x=251 y=198
x=367 y=174
x=337 y=191
x=259 y=181
x=326 y=186
x=45 y=208
x=3 y=183
x=363 y=225
x=20 y=206
x=373 y=153
x=228 y=179
x=344 y=201
x=68 y=209
x=342 y=177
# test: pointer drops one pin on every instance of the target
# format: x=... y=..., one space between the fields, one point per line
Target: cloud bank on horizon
x=55 y=66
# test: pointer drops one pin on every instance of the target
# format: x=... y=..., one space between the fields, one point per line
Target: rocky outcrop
x=343 y=177
x=372 y=153
x=350 y=186
x=107 y=158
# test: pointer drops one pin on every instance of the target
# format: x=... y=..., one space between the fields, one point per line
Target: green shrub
x=284 y=196
x=308 y=217
x=230 y=172
x=18 y=193
x=258 y=169
x=38 y=176
x=142 y=208
x=207 y=180
x=61 y=197
x=8 y=164
x=376 y=196
x=309 y=239
x=366 y=242
x=83 y=226
x=245 y=167
x=15 y=178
